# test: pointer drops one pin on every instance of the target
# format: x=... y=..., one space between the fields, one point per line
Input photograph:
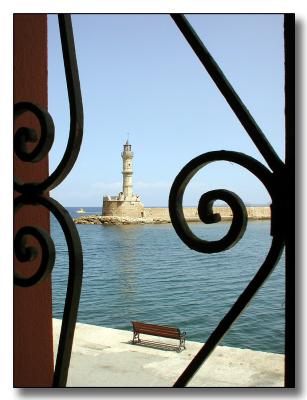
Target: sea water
x=146 y=273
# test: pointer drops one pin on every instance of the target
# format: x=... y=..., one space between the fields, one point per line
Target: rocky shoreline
x=161 y=216
x=113 y=220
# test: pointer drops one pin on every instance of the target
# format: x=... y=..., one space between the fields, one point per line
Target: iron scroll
x=36 y=193
x=273 y=180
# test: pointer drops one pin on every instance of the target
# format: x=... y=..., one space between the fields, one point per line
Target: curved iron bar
x=26 y=253
x=230 y=239
x=271 y=180
x=26 y=135
x=74 y=276
x=33 y=193
x=76 y=119
x=229 y=93
x=235 y=311
x=239 y=216
x=239 y=220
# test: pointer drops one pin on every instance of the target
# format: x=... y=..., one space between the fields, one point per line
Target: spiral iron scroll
x=272 y=180
x=36 y=193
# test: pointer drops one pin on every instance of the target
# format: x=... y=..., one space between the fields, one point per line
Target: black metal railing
x=36 y=193
x=277 y=181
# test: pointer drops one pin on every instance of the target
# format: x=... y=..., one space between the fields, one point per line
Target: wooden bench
x=158 y=330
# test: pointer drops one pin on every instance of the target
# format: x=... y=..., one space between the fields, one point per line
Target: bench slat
x=159 y=333
x=142 y=325
x=157 y=329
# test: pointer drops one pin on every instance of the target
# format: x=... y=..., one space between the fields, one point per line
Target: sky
x=139 y=77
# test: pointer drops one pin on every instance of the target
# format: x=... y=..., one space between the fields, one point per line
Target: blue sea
x=145 y=273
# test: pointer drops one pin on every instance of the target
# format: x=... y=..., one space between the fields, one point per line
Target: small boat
x=81 y=211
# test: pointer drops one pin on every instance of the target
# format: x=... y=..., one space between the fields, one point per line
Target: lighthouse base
x=119 y=207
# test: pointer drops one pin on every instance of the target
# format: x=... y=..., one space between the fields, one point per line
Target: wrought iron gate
x=278 y=180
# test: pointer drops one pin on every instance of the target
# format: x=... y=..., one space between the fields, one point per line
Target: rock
x=253 y=213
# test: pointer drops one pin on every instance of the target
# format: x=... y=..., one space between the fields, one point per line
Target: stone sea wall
x=157 y=213
x=160 y=215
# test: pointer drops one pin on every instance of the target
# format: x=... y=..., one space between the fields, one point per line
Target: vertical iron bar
x=229 y=93
x=75 y=104
x=33 y=193
x=289 y=43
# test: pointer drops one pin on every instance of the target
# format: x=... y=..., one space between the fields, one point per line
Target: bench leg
x=135 y=337
x=181 y=344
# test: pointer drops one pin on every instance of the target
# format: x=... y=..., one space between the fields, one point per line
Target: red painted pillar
x=33 y=350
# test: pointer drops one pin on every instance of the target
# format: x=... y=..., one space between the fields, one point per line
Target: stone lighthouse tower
x=126 y=203
x=127 y=156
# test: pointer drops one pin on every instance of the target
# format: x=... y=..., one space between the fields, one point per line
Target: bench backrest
x=156 y=330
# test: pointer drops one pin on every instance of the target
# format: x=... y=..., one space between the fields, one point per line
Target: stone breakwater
x=161 y=216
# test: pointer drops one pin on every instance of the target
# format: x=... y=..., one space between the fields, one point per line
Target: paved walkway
x=105 y=357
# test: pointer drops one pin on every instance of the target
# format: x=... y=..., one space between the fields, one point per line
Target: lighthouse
x=126 y=203
x=127 y=156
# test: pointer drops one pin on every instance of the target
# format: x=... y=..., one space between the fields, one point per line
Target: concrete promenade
x=105 y=357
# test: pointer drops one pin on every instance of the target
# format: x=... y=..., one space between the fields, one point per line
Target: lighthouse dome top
x=127 y=153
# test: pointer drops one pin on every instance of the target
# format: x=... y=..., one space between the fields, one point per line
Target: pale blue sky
x=139 y=75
